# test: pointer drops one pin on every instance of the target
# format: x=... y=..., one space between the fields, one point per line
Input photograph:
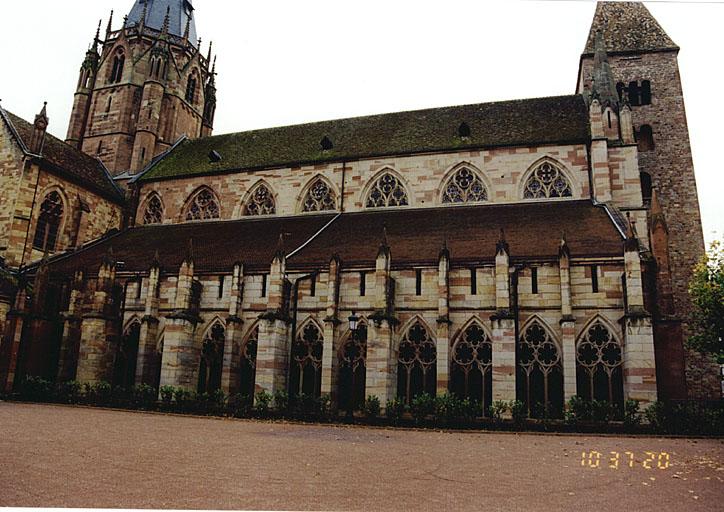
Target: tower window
x=473 y=281
x=418 y=281
x=464 y=130
x=221 y=287
x=534 y=280
x=362 y=284
x=191 y=87
x=326 y=144
x=594 y=278
x=117 y=70
x=139 y=286
x=108 y=105
x=645 y=138
x=646 y=187
x=313 y=286
x=634 y=97
x=263 y=285
x=646 y=92
x=621 y=90
x=48 y=227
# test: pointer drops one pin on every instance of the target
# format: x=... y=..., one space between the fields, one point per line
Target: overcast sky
x=292 y=61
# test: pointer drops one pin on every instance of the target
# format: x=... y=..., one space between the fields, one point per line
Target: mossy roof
x=539 y=121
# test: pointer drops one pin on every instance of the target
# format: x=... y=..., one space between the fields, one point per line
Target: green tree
x=707 y=294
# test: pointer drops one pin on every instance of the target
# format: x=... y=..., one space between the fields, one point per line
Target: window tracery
x=260 y=202
x=320 y=197
x=464 y=187
x=306 y=368
x=119 y=62
x=387 y=191
x=212 y=355
x=547 y=181
x=416 y=363
x=472 y=363
x=599 y=356
x=539 y=364
x=48 y=227
x=353 y=365
x=154 y=211
x=203 y=206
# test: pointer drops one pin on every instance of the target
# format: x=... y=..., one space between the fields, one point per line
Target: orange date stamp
x=619 y=460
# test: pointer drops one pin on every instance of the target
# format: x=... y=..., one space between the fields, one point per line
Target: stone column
x=568 y=323
x=503 y=327
x=601 y=176
x=12 y=336
x=148 y=337
x=330 y=361
x=381 y=378
x=272 y=359
x=627 y=129
x=443 y=320
x=70 y=343
x=234 y=323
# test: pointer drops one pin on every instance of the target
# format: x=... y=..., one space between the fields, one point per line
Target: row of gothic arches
x=599 y=359
x=547 y=179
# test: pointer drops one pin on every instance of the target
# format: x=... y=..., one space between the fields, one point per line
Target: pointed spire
x=187 y=30
x=97 y=38
x=166 y=20
x=444 y=252
x=211 y=45
x=109 y=28
x=144 y=15
x=40 y=125
x=656 y=212
x=279 y=253
x=156 y=262
x=502 y=246
x=189 y=252
x=632 y=240
x=602 y=83
x=563 y=250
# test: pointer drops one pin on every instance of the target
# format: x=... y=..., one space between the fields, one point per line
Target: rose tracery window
x=416 y=363
x=247 y=366
x=154 y=211
x=260 y=202
x=353 y=369
x=306 y=366
x=547 y=181
x=48 y=228
x=319 y=198
x=540 y=372
x=464 y=187
x=387 y=191
x=471 y=374
x=203 y=206
x=599 y=357
x=212 y=356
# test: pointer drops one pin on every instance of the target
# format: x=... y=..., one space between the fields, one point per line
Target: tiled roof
x=627 y=27
x=415 y=236
x=73 y=164
x=507 y=123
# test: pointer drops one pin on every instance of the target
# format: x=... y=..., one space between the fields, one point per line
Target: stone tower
x=143 y=86
x=643 y=63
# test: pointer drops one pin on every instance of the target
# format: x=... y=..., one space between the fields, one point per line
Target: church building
x=533 y=249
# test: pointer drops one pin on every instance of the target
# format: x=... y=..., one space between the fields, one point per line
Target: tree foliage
x=707 y=294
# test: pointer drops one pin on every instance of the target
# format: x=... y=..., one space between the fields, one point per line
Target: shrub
x=239 y=405
x=167 y=393
x=323 y=406
x=394 y=409
x=470 y=409
x=217 y=402
x=371 y=407
x=422 y=406
x=262 y=401
x=497 y=409
x=631 y=414
x=144 y=396
x=99 y=393
x=518 y=411
x=36 y=389
x=69 y=392
x=281 y=401
x=448 y=408
x=578 y=410
x=183 y=400
x=603 y=411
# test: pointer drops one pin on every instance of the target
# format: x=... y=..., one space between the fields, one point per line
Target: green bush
x=394 y=409
x=371 y=407
x=99 y=393
x=422 y=406
x=167 y=393
x=36 y=389
x=603 y=411
x=518 y=411
x=69 y=392
x=239 y=406
x=261 y=403
x=281 y=401
x=470 y=409
x=184 y=400
x=448 y=408
x=578 y=410
x=631 y=413
x=323 y=407
x=497 y=409
x=686 y=417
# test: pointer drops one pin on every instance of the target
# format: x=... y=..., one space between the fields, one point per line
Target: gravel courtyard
x=55 y=456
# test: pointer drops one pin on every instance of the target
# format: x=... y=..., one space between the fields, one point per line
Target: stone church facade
x=533 y=249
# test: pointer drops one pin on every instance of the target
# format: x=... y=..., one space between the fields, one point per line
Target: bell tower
x=143 y=86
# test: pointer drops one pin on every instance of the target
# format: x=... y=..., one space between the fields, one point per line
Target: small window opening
x=100 y=147
x=464 y=130
x=362 y=284
x=108 y=105
x=609 y=119
x=620 y=89
x=534 y=280
x=221 y=287
x=263 y=285
x=139 y=286
x=313 y=286
x=633 y=94
x=214 y=156
x=594 y=278
x=326 y=144
x=473 y=281
x=645 y=138
x=418 y=281
x=646 y=92
x=143 y=155
x=646 y=186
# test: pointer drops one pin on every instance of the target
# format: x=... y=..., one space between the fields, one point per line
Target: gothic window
x=260 y=202
x=387 y=191
x=646 y=92
x=191 y=89
x=416 y=363
x=119 y=62
x=645 y=138
x=124 y=371
x=646 y=187
x=203 y=206
x=540 y=372
x=352 y=369
x=320 y=197
x=154 y=210
x=306 y=366
x=599 y=360
x=471 y=374
x=464 y=187
x=212 y=356
x=547 y=180
x=48 y=228
x=248 y=363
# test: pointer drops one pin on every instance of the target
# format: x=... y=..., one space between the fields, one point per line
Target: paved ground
x=72 y=457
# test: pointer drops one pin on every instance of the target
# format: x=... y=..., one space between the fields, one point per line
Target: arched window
x=645 y=138
x=547 y=181
x=634 y=94
x=540 y=373
x=471 y=372
x=320 y=197
x=191 y=89
x=260 y=202
x=306 y=366
x=212 y=357
x=153 y=213
x=621 y=90
x=599 y=358
x=416 y=363
x=247 y=368
x=119 y=61
x=387 y=191
x=646 y=187
x=353 y=369
x=464 y=187
x=124 y=371
x=646 y=92
x=203 y=206
x=48 y=227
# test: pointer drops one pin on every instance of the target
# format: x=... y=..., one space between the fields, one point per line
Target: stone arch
x=153 y=208
x=381 y=190
x=471 y=363
x=352 y=369
x=193 y=85
x=52 y=219
x=117 y=64
x=124 y=368
x=469 y=194
x=305 y=363
x=599 y=361
x=212 y=356
x=416 y=360
x=313 y=200
x=259 y=200
x=544 y=163
x=202 y=204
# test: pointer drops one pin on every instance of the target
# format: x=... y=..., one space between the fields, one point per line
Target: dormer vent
x=214 y=156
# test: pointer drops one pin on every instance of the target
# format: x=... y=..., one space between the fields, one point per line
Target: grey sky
x=291 y=61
